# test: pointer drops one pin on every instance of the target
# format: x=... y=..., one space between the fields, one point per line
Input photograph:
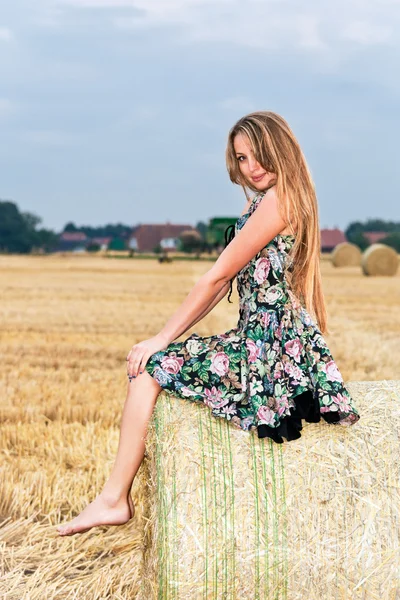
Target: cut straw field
x=67 y=324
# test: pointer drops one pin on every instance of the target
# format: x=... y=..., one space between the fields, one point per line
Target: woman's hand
x=140 y=353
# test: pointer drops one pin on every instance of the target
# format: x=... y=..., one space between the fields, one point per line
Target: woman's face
x=250 y=168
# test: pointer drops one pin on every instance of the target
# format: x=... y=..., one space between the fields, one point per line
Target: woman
x=274 y=368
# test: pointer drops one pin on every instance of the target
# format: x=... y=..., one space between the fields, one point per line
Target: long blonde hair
x=277 y=150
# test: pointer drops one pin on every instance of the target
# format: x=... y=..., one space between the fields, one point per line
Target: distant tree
x=380 y=225
x=202 y=229
x=31 y=220
x=42 y=239
x=46 y=239
x=16 y=231
x=93 y=247
x=359 y=239
x=70 y=226
x=392 y=240
x=119 y=230
x=355 y=231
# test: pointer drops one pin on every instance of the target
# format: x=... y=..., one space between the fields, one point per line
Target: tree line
x=355 y=233
x=20 y=232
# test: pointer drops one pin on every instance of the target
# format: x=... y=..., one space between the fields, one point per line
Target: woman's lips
x=258 y=178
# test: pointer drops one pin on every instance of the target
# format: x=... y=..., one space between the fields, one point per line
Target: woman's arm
x=260 y=228
x=197 y=302
x=209 y=308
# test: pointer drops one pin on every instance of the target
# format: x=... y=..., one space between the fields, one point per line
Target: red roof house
x=331 y=238
x=375 y=236
x=73 y=236
x=72 y=241
x=146 y=237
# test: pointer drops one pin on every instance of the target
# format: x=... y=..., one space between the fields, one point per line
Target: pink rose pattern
x=172 y=364
x=270 y=371
x=252 y=350
x=261 y=270
x=220 y=363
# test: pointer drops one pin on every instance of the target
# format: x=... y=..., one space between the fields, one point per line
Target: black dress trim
x=229 y=234
x=306 y=404
x=306 y=407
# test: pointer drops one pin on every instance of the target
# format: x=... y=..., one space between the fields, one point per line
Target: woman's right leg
x=114 y=505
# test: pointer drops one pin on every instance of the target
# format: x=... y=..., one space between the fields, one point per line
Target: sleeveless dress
x=272 y=369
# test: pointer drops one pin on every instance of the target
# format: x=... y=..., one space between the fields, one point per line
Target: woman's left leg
x=114 y=506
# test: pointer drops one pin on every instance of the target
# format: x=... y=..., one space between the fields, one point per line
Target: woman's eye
x=240 y=158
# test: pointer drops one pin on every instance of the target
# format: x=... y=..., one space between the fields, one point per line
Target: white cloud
x=6 y=107
x=49 y=16
x=138 y=114
x=99 y=3
x=50 y=138
x=164 y=8
x=6 y=35
x=237 y=104
x=367 y=33
x=262 y=23
x=308 y=32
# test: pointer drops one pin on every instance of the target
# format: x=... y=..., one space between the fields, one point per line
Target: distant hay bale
x=190 y=234
x=346 y=254
x=379 y=259
x=234 y=516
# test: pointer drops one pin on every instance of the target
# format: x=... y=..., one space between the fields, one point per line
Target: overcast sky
x=119 y=110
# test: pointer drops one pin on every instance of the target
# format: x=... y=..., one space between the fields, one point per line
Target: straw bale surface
x=234 y=516
x=346 y=254
x=379 y=259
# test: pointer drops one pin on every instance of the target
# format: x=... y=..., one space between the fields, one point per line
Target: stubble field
x=67 y=324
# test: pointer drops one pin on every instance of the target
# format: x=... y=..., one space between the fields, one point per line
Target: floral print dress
x=270 y=371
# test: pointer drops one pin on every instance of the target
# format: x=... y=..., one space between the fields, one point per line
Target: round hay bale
x=190 y=234
x=346 y=254
x=380 y=259
x=309 y=517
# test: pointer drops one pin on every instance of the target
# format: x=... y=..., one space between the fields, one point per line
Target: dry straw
x=380 y=259
x=237 y=517
x=346 y=254
x=64 y=338
x=47 y=476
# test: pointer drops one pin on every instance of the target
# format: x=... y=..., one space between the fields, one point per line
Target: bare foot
x=102 y=511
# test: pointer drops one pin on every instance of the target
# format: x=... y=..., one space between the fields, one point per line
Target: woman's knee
x=144 y=380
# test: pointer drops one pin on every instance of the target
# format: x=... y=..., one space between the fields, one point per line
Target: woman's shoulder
x=248 y=204
x=291 y=228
